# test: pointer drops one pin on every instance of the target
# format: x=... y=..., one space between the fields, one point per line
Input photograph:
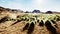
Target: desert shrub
x=38 y=20
x=58 y=19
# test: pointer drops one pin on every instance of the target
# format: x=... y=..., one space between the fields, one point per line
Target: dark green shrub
x=58 y=19
x=38 y=20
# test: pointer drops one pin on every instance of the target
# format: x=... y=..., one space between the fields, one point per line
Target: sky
x=30 y=5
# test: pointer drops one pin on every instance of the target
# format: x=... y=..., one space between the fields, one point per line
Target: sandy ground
x=7 y=28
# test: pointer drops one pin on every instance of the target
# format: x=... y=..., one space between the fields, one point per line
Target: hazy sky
x=30 y=5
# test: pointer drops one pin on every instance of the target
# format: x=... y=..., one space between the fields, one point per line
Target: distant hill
x=2 y=9
x=9 y=10
x=52 y=12
x=36 y=11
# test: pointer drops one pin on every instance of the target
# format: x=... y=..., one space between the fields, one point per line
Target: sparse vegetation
x=29 y=22
x=32 y=19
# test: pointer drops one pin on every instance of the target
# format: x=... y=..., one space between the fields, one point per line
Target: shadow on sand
x=41 y=23
x=31 y=28
x=3 y=19
x=50 y=27
x=26 y=27
x=54 y=22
